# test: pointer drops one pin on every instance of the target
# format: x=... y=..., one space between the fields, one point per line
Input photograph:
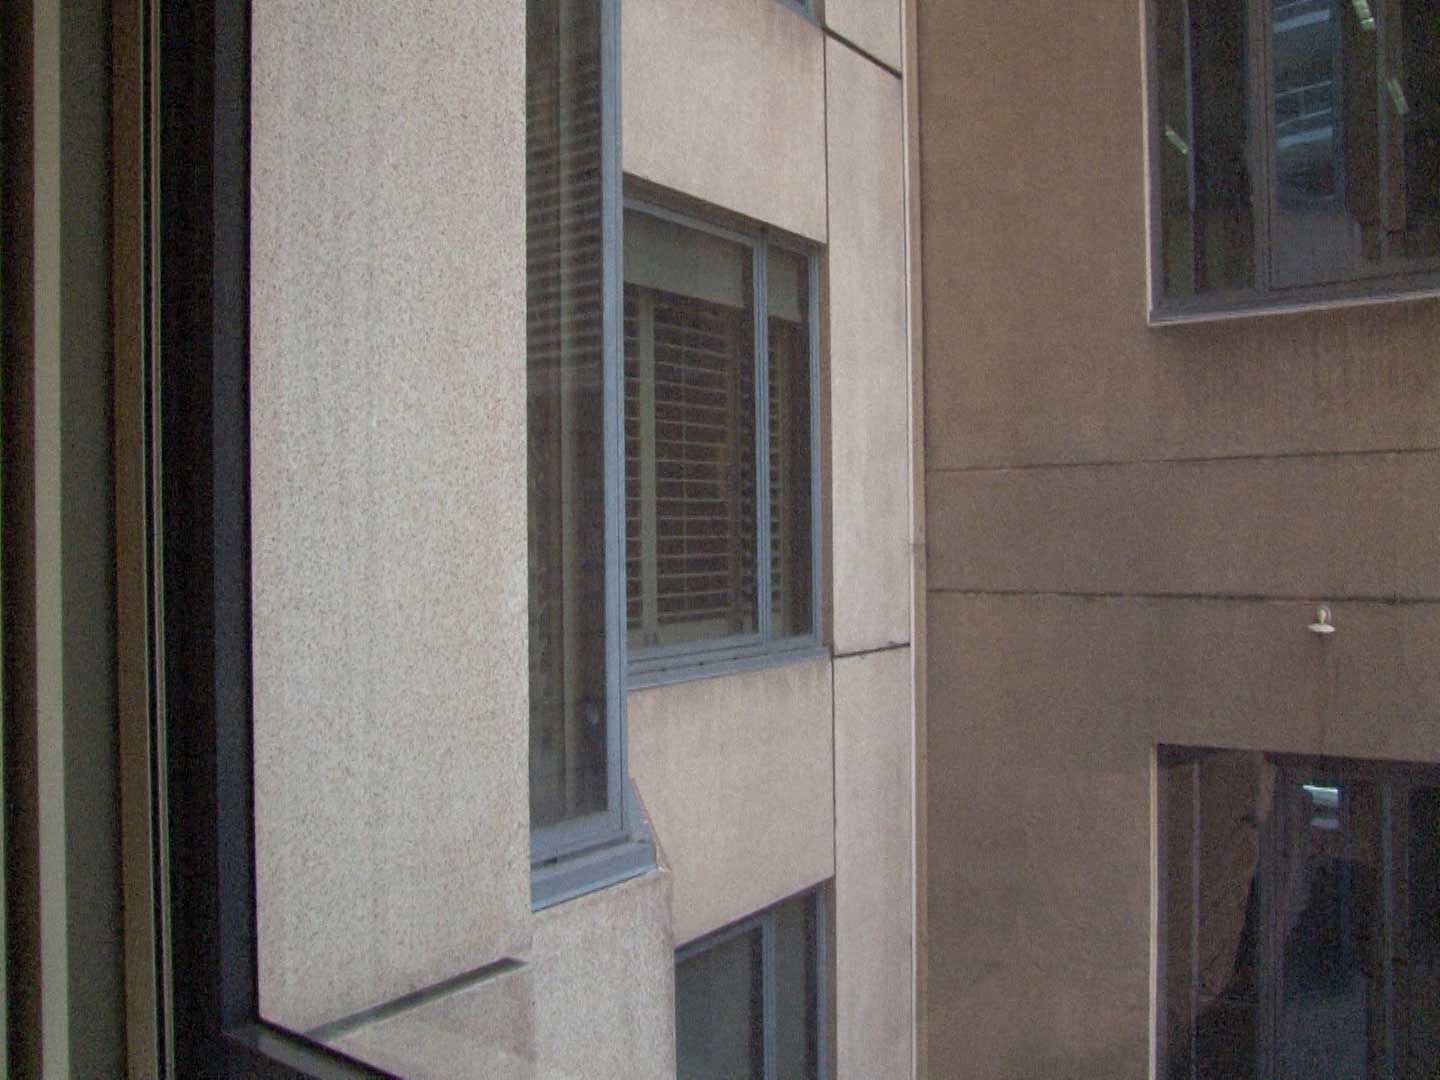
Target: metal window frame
x=1387 y=285
x=766 y=921
x=667 y=664
x=570 y=858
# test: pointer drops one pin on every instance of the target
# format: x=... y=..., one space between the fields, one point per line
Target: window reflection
x=565 y=369
x=1298 y=918
x=1355 y=127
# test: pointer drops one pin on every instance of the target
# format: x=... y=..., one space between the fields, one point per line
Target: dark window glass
x=566 y=458
x=747 y=999
x=719 y=1011
x=797 y=999
x=1208 y=226
x=1297 y=914
x=1297 y=143
x=791 y=467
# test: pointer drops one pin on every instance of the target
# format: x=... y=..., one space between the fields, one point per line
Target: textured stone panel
x=387 y=498
x=874 y=864
x=736 y=775
x=605 y=984
x=872 y=25
x=724 y=100
x=1352 y=525
x=869 y=363
x=594 y=1001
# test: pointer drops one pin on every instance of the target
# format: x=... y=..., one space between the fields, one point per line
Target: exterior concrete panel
x=1033 y=169
x=869 y=361
x=871 y=25
x=736 y=776
x=605 y=984
x=1328 y=526
x=387 y=343
x=1043 y=717
x=596 y=1001
x=874 y=865
x=724 y=100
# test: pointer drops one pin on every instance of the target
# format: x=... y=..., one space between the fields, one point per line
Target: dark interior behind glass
x=1299 y=900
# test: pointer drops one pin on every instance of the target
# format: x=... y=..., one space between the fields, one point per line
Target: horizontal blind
x=698 y=438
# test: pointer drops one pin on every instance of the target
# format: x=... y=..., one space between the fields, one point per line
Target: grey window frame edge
x=580 y=855
x=1423 y=283
x=666 y=665
x=765 y=921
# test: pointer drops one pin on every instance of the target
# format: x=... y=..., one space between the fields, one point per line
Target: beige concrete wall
x=869 y=361
x=724 y=100
x=871 y=25
x=595 y=1001
x=605 y=984
x=737 y=776
x=874 y=865
x=387 y=364
x=1128 y=531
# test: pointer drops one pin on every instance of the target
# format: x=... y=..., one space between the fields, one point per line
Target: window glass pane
x=566 y=458
x=1206 y=217
x=791 y=582
x=1418 y=1056
x=796 y=992
x=1297 y=917
x=1327 y=209
x=1297 y=136
x=1326 y=878
x=690 y=474
x=1413 y=62
x=1356 y=129
x=719 y=1012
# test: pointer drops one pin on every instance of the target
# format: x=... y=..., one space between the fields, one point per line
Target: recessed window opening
x=1299 y=917
x=1295 y=150
x=749 y=998
x=720 y=480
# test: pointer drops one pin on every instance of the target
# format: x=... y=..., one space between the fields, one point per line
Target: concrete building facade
x=1050 y=445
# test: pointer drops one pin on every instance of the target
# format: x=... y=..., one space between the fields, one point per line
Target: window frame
x=578 y=855
x=665 y=664
x=766 y=921
x=1420 y=283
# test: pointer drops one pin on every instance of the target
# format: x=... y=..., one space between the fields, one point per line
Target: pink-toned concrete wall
x=1128 y=531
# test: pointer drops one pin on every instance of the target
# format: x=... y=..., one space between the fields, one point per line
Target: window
x=1295 y=152
x=1299 y=928
x=720 y=444
x=748 y=999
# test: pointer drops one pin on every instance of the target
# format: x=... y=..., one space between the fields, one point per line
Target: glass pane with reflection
x=720 y=1011
x=566 y=454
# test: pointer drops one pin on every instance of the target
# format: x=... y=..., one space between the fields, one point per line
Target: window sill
x=576 y=875
x=692 y=667
x=1226 y=307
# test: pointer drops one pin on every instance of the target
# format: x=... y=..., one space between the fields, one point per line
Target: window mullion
x=613 y=373
x=762 y=440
